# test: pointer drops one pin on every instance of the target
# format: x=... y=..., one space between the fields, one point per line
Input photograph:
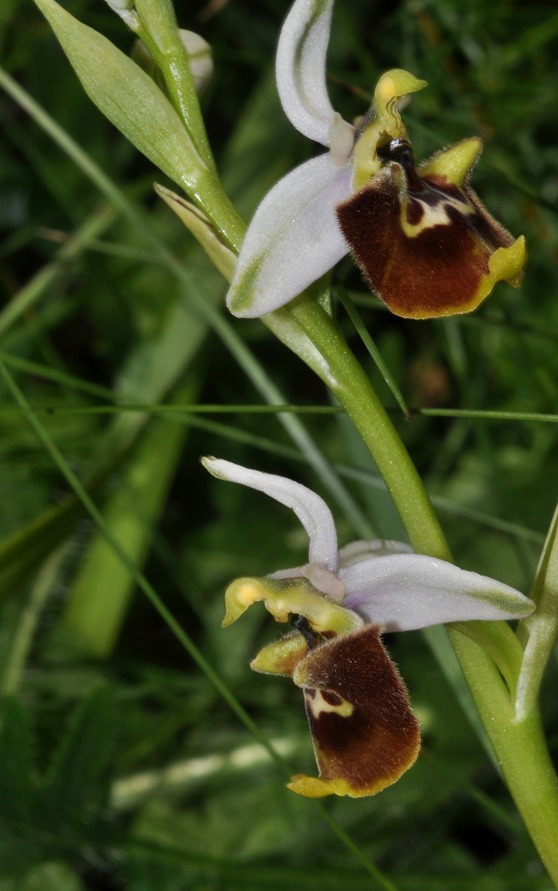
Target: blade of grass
x=29 y=614
x=373 y=350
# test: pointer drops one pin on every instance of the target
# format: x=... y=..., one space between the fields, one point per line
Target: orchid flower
x=340 y=602
x=420 y=235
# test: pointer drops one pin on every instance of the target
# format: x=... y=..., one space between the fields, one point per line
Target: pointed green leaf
x=128 y=97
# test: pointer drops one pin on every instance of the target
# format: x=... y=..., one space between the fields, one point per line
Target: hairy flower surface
x=364 y=733
x=420 y=235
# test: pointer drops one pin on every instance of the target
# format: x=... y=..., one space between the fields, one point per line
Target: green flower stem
x=520 y=747
x=159 y=32
x=348 y=382
x=211 y=198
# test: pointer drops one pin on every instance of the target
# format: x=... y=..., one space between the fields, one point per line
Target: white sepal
x=300 y=68
x=311 y=510
x=293 y=239
x=407 y=591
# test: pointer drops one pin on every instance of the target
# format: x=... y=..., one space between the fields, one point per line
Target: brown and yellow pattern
x=422 y=237
x=364 y=733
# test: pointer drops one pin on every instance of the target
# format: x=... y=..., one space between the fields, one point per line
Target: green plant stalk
x=349 y=383
x=211 y=198
x=519 y=746
x=158 y=30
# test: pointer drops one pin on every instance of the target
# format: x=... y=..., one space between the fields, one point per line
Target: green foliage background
x=122 y=762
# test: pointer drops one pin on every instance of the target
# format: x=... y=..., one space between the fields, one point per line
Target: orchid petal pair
x=364 y=733
x=421 y=236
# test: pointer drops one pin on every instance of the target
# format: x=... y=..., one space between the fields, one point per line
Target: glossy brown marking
x=438 y=270
x=414 y=212
x=331 y=698
x=367 y=735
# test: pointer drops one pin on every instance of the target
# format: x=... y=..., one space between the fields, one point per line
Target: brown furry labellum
x=364 y=733
x=426 y=245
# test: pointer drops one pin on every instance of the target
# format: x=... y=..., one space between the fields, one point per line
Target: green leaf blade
x=128 y=97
